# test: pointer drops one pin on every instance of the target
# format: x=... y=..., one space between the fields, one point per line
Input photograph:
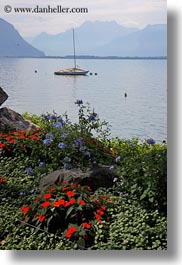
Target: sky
x=130 y=13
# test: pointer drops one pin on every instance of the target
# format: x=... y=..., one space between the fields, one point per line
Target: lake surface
x=142 y=114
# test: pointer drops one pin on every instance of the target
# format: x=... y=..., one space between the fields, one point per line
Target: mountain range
x=13 y=45
x=92 y=39
x=105 y=39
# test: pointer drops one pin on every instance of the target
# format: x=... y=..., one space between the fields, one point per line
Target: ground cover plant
x=131 y=214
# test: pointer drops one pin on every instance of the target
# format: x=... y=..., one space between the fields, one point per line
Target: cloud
x=130 y=13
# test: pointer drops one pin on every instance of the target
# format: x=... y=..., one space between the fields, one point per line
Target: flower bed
x=70 y=216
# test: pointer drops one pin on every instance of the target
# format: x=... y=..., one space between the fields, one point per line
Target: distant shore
x=94 y=57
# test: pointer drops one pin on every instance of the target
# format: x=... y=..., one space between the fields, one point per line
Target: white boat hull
x=71 y=71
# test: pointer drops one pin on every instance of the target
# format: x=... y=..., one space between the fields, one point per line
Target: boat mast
x=74 y=48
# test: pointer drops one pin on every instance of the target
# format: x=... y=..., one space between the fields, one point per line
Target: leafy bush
x=143 y=171
x=133 y=228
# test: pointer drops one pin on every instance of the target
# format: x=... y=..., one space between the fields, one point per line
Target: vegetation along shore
x=66 y=185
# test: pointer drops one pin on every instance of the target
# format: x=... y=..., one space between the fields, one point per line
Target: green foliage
x=143 y=171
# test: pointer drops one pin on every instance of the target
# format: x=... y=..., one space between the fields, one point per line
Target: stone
x=94 y=177
x=13 y=120
x=3 y=96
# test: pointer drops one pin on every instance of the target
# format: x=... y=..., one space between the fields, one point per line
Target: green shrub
x=133 y=228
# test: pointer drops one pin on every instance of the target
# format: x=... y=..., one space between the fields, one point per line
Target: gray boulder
x=3 y=96
x=94 y=177
x=11 y=119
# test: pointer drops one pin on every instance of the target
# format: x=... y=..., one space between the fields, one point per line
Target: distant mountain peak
x=13 y=45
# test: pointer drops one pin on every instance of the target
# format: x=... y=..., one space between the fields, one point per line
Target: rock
x=13 y=120
x=3 y=96
x=95 y=177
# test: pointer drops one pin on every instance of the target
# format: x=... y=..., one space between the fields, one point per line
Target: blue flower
x=47 y=141
x=83 y=127
x=53 y=117
x=87 y=153
x=41 y=164
x=82 y=148
x=61 y=145
x=78 y=141
x=92 y=117
x=49 y=136
x=64 y=135
x=32 y=191
x=67 y=159
x=67 y=166
x=58 y=125
x=150 y=141
x=79 y=102
x=118 y=159
x=22 y=193
x=112 y=167
x=29 y=171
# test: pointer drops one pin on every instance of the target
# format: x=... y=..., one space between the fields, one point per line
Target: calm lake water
x=142 y=114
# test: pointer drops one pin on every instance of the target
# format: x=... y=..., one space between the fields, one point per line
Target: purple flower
x=61 y=145
x=29 y=171
x=150 y=141
x=58 y=125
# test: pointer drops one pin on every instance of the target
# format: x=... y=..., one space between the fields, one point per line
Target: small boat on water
x=75 y=70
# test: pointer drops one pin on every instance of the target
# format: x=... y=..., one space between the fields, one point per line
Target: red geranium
x=70 y=231
x=82 y=202
x=45 y=204
x=41 y=217
x=70 y=193
x=47 y=196
x=25 y=209
x=86 y=225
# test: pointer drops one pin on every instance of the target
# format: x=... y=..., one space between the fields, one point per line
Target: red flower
x=25 y=209
x=51 y=189
x=100 y=212
x=38 y=199
x=47 y=196
x=102 y=207
x=45 y=204
x=67 y=204
x=70 y=193
x=72 y=201
x=2 y=145
x=70 y=231
x=82 y=202
x=59 y=203
x=41 y=217
x=3 y=180
x=98 y=217
x=86 y=225
x=103 y=196
x=12 y=141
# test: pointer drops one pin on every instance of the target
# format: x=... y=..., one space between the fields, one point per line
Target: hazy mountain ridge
x=13 y=45
x=106 y=39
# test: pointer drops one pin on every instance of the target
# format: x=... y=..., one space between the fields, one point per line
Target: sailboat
x=75 y=70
